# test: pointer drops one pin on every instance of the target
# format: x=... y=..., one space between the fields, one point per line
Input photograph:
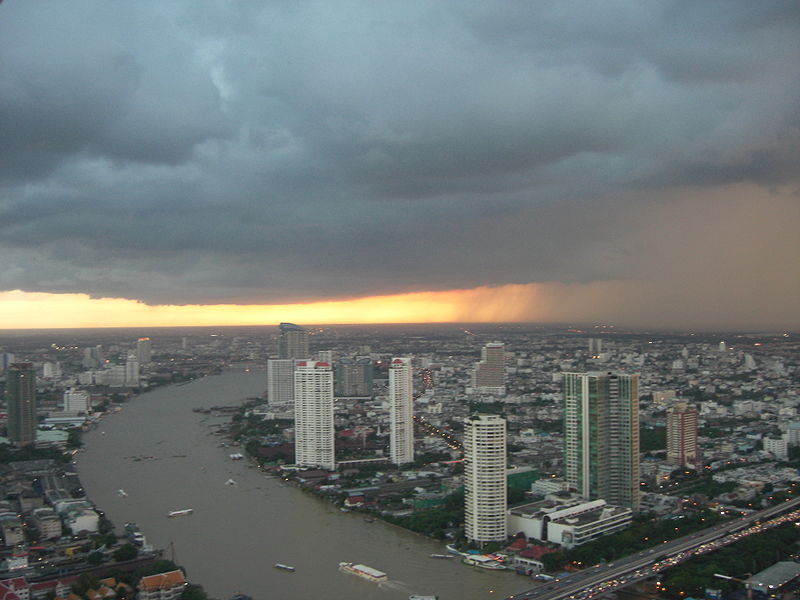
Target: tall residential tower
x=293 y=342
x=489 y=375
x=682 y=436
x=601 y=436
x=401 y=408
x=144 y=351
x=485 y=478
x=21 y=402
x=313 y=415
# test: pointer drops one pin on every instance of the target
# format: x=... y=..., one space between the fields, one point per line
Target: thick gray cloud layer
x=188 y=151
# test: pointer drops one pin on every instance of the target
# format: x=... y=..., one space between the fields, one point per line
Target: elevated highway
x=602 y=579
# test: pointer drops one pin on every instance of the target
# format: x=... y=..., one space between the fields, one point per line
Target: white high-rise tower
x=401 y=407
x=485 y=478
x=313 y=415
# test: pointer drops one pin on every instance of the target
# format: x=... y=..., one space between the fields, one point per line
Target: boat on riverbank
x=180 y=513
x=284 y=567
x=364 y=571
x=483 y=562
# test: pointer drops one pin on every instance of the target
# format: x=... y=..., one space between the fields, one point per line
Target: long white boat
x=364 y=571
x=180 y=513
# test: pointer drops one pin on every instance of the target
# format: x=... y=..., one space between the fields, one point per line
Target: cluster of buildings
x=580 y=424
x=569 y=405
x=304 y=388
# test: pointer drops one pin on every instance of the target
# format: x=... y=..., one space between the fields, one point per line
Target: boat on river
x=180 y=513
x=284 y=567
x=364 y=571
x=443 y=555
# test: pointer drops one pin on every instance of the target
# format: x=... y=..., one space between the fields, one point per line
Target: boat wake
x=401 y=586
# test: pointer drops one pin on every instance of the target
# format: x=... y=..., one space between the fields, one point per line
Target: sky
x=228 y=162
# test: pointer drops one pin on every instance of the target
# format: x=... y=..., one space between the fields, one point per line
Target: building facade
x=293 y=342
x=601 y=436
x=21 y=402
x=401 y=411
x=489 y=375
x=280 y=384
x=682 y=436
x=485 y=478
x=354 y=377
x=144 y=351
x=313 y=415
x=569 y=523
x=76 y=401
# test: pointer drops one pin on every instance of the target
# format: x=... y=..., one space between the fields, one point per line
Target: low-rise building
x=568 y=523
x=163 y=586
x=48 y=523
x=11 y=528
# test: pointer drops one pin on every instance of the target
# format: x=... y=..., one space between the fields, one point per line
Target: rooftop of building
x=573 y=512
x=778 y=574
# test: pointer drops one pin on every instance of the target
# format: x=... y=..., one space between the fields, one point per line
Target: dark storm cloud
x=199 y=152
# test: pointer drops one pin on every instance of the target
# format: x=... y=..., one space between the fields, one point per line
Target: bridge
x=634 y=568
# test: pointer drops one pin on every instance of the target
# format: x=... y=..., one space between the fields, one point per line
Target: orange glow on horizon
x=39 y=310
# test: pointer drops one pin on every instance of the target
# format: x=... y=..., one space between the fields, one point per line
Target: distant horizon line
x=577 y=328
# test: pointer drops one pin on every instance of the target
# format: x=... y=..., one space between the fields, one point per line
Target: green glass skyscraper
x=601 y=436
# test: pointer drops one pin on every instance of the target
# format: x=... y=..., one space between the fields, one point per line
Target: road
x=602 y=579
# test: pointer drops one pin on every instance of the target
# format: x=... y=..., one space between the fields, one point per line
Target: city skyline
x=231 y=164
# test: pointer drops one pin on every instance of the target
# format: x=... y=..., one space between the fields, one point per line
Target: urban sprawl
x=595 y=462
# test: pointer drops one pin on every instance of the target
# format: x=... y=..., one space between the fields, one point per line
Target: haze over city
x=246 y=163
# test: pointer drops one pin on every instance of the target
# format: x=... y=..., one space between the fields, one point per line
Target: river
x=167 y=457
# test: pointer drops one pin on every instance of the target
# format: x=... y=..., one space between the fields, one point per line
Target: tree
x=95 y=558
x=125 y=552
x=74 y=439
x=193 y=592
x=553 y=561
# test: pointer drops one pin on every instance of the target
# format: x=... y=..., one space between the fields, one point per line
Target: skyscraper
x=293 y=342
x=313 y=415
x=601 y=436
x=489 y=375
x=682 y=435
x=353 y=377
x=280 y=384
x=93 y=357
x=144 y=351
x=485 y=478
x=401 y=408
x=21 y=402
x=132 y=369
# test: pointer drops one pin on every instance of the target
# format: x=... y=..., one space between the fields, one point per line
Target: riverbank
x=238 y=532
